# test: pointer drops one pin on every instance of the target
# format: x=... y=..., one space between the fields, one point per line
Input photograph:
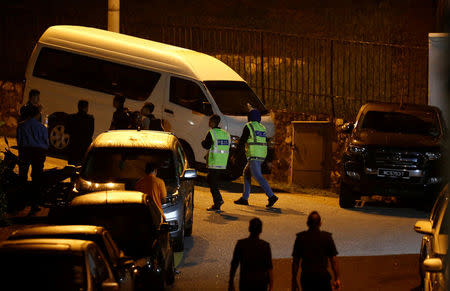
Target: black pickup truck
x=394 y=150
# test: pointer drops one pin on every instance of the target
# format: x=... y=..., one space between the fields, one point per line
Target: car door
x=99 y=269
x=186 y=186
x=186 y=113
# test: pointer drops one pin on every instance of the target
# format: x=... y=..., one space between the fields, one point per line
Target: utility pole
x=114 y=15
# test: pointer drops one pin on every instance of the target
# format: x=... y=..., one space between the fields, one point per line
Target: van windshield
x=232 y=97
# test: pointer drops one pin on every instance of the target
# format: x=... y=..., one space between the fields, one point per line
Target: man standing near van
x=217 y=141
x=33 y=101
x=254 y=139
x=32 y=141
x=81 y=128
x=121 y=117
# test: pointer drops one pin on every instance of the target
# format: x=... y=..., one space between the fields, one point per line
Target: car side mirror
x=207 y=108
x=109 y=285
x=167 y=227
x=432 y=265
x=423 y=227
x=190 y=174
x=347 y=127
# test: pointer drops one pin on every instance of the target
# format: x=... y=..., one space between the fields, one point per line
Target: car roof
x=138 y=52
x=384 y=106
x=110 y=197
x=46 y=244
x=135 y=139
x=58 y=230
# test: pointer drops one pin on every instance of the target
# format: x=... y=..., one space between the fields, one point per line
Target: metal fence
x=313 y=75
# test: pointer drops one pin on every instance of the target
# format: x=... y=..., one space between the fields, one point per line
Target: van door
x=187 y=112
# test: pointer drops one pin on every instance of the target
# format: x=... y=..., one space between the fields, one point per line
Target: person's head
x=150 y=168
x=33 y=96
x=147 y=109
x=255 y=227
x=118 y=101
x=214 y=121
x=314 y=221
x=254 y=115
x=83 y=106
x=35 y=112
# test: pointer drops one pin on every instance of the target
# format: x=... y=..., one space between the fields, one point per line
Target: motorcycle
x=53 y=190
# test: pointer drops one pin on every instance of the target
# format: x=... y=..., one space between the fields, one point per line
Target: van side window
x=95 y=74
x=187 y=94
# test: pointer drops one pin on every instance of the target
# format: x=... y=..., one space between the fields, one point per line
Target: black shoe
x=215 y=207
x=272 y=201
x=241 y=201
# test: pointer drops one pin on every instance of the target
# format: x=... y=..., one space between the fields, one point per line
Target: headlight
x=357 y=149
x=90 y=186
x=433 y=155
x=234 y=141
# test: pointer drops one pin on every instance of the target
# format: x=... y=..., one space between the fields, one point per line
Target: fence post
x=331 y=79
x=262 y=68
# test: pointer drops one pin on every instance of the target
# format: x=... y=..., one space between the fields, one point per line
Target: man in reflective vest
x=254 y=139
x=217 y=141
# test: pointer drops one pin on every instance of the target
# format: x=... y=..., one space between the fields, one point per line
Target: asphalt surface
x=377 y=245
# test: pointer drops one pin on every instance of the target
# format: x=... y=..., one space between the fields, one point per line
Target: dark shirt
x=243 y=139
x=32 y=133
x=150 y=122
x=81 y=128
x=121 y=119
x=255 y=257
x=314 y=247
x=207 y=142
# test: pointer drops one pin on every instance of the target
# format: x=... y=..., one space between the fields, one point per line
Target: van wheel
x=58 y=137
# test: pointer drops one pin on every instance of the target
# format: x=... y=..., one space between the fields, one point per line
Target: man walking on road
x=255 y=257
x=32 y=142
x=315 y=247
x=217 y=141
x=254 y=139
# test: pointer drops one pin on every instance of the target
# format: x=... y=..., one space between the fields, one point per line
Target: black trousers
x=36 y=158
x=315 y=283
x=213 y=180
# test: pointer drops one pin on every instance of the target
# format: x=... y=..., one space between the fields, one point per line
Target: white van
x=70 y=63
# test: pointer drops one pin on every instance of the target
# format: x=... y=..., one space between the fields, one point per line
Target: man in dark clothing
x=315 y=248
x=32 y=142
x=81 y=128
x=121 y=117
x=33 y=101
x=150 y=122
x=255 y=257
x=217 y=141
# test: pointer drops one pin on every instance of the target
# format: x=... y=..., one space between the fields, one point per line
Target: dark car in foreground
x=122 y=266
x=394 y=150
x=54 y=264
x=135 y=223
x=116 y=160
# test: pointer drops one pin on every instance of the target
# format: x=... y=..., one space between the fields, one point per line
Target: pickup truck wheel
x=347 y=197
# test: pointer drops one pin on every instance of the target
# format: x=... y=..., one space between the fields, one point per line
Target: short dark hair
x=313 y=220
x=255 y=226
x=82 y=104
x=215 y=118
x=33 y=92
x=150 y=106
x=149 y=167
x=120 y=99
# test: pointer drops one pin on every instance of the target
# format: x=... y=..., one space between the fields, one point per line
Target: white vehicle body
x=172 y=72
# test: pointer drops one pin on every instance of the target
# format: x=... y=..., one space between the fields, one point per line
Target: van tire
x=58 y=137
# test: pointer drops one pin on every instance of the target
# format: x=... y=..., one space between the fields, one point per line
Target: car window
x=112 y=247
x=181 y=160
x=95 y=74
x=187 y=94
x=97 y=267
x=444 y=224
x=437 y=209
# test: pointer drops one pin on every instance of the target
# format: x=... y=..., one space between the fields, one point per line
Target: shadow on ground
x=398 y=210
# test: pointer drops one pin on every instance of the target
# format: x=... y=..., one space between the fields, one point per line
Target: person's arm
x=207 y=142
x=243 y=139
x=270 y=266
x=335 y=268
x=163 y=191
x=295 y=265
x=233 y=268
x=91 y=127
x=113 y=121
